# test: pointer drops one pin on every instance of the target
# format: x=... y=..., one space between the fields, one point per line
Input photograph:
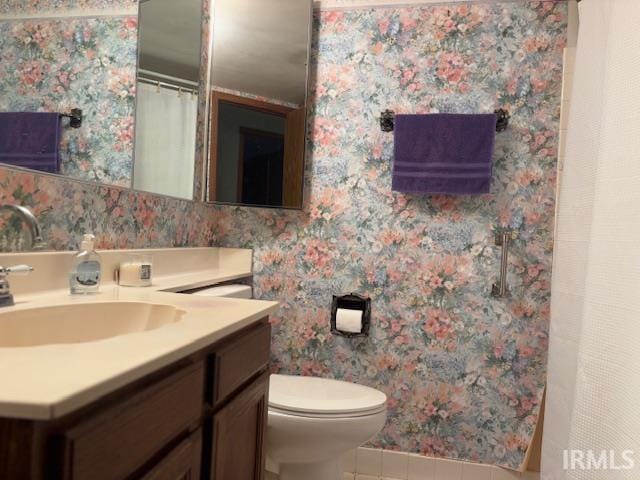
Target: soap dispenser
x=86 y=271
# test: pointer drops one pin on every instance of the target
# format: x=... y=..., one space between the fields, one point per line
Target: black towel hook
x=502 y=119
x=388 y=118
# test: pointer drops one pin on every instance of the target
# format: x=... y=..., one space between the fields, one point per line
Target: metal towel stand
x=503 y=239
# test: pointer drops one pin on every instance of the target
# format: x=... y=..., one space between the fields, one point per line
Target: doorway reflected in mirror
x=260 y=174
x=257 y=155
x=258 y=98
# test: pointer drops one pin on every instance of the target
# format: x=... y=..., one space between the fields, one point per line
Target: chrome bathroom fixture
x=503 y=239
x=6 y=298
x=30 y=220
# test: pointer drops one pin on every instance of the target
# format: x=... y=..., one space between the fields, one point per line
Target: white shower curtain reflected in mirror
x=165 y=141
x=592 y=422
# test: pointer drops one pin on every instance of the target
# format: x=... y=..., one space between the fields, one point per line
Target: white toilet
x=313 y=421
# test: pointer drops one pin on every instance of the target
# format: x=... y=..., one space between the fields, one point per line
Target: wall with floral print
x=40 y=7
x=102 y=66
x=86 y=57
x=120 y=218
x=464 y=372
x=56 y=64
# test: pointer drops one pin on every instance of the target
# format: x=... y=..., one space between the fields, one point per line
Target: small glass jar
x=136 y=270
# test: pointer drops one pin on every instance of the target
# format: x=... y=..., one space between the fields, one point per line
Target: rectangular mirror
x=258 y=102
x=167 y=96
x=52 y=66
x=75 y=101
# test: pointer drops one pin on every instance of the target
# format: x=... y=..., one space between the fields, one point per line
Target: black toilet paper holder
x=351 y=301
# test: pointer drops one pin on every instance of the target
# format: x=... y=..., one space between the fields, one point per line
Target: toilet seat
x=323 y=398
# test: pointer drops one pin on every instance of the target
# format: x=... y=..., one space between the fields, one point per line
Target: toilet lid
x=322 y=396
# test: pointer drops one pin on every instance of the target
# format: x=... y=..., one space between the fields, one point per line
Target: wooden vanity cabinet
x=237 y=450
x=182 y=463
x=203 y=417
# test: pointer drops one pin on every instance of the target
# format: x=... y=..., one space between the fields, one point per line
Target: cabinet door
x=183 y=463
x=239 y=431
x=126 y=435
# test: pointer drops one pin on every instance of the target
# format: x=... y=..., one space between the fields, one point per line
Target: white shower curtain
x=165 y=141
x=593 y=402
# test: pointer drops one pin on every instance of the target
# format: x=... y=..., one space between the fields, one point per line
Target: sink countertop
x=48 y=382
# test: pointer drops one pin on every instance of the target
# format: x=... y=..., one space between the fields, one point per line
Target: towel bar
x=387 y=120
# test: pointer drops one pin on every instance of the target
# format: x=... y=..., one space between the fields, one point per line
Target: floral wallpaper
x=102 y=65
x=88 y=63
x=464 y=372
x=120 y=218
x=31 y=7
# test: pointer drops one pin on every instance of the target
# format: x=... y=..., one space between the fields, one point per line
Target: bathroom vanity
x=180 y=395
x=203 y=416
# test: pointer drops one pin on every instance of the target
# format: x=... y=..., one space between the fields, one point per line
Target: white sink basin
x=80 y=323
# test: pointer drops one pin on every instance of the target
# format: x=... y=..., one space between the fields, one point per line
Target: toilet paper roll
x=349 y=321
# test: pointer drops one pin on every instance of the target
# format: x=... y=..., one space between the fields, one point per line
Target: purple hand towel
x=30 y=140
x=450 y=154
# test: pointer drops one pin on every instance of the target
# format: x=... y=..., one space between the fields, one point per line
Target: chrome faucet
x=30 y=220
x=6 y=298
x=37 y=243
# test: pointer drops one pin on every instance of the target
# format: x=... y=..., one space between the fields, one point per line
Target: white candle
x=135 y=274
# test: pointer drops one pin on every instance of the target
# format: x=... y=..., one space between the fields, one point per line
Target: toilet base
x=327 y=470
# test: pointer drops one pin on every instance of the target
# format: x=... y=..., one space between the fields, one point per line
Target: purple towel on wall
x=30 y=140
x=450 y=154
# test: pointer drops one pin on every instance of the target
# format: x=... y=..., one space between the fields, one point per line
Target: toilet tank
x=229 y=291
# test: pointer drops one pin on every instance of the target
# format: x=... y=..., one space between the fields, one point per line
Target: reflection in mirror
x=167 y=96
x=258 y=115
x=52 y=65
x=85 y=59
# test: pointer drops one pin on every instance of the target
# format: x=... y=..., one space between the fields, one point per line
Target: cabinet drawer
x=183 y=463
x=239 y=360
x=122 y=438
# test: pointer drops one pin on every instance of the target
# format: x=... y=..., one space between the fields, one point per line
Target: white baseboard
x=375 y=464
x=370 y=464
